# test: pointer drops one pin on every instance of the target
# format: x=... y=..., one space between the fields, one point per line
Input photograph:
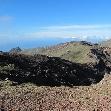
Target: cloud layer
x=73 y=31
x=53 y=34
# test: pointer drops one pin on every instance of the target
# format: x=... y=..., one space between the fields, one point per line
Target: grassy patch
x=74 y=52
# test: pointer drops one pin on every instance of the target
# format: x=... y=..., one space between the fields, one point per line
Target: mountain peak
x=15 y=50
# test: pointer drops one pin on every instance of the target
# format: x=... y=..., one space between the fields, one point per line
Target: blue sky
x=33 y=23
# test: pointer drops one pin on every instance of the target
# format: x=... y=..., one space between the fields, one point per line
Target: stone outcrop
x=103 y=59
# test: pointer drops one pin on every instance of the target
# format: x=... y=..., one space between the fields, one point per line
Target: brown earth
x=28 y=97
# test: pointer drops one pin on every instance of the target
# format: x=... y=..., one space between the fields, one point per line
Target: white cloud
x=51 y=34
x=82 y=32
x=78 y=27
x=93 y=33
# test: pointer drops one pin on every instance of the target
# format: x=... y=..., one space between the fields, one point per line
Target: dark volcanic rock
x=103 y=59
x=52 y=71
x=86 y=43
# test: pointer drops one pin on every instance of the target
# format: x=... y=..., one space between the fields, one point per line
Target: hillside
x=41 y=70
x=106 y=43
x=30 y=97
x=26 y=83
x=34 y=82
x=79 y=52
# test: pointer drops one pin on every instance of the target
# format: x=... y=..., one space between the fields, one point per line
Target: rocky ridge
x=54 y=71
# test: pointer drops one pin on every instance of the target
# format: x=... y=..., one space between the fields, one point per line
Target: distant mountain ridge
x=15 y=50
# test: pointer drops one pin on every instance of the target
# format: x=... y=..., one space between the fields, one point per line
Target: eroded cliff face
x=53 y=71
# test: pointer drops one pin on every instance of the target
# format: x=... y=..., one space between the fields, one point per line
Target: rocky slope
x=54 y=71
x=25 y=82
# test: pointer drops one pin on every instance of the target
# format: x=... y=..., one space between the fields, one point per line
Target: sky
x=37 y=23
